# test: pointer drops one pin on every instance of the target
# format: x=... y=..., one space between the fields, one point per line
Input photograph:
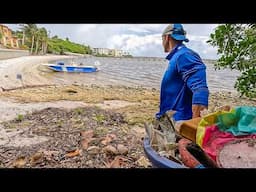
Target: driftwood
x=25 y=86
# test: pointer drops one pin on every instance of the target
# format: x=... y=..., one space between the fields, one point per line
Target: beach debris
x=19 y=76
x=36 y=157
x=71 y=91
x=110 y=150
x=201 y=156
x=143 y=162
x=19 y=162
x=87 y=138
x=93 y=150
x=108 y=139
x=73 y=153
x=123 y=150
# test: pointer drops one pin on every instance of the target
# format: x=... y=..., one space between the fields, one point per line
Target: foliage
x=38 y=41
x=60 y=46
x=236 y=46
x=20 y=117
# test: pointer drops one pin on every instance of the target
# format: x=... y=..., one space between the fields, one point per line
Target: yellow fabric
x=207 y=120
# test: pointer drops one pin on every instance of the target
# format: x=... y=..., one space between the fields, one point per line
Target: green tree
x=31 y=31
x=22 y=27
x=236 y=46
x=44 y=40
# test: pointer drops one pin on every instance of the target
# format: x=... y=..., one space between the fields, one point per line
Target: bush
x=236 y=45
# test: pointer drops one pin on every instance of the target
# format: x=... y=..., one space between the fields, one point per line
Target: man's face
x=165 y=43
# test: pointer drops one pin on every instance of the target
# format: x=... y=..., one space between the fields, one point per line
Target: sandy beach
x=78 y=122
x=28 y=67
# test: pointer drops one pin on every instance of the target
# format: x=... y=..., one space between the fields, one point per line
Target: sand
x=124 y=100
x=28 y=67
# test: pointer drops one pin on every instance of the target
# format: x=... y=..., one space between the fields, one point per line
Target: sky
x=138 y=39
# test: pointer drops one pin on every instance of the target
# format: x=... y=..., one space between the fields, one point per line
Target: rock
x=19 y=163
x=93 y=150
x=143 y=162
x=110 y=150
x=36 y=157
x=122 y=149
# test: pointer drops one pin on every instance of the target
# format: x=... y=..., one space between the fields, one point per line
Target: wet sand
x=28 y=67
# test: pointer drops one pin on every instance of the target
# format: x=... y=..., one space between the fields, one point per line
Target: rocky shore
x=73 y=126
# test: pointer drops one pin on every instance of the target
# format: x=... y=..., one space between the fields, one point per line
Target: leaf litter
x=75 y=140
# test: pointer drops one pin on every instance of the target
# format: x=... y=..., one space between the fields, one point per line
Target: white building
x=110 y=52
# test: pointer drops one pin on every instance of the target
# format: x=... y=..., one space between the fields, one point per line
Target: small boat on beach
x=60 y=67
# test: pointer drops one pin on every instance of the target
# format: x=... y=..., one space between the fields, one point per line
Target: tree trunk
x=37 y=44
x=45 y=48
x=42 y=48
x=32 y=46
x=23 y=38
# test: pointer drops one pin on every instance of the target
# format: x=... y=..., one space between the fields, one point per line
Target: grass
x=20 y=117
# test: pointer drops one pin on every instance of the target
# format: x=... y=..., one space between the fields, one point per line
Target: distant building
x=101 y=51
x=110 y=52
x=7 y=40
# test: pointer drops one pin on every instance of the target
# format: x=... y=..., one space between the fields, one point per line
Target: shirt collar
x=174 y=50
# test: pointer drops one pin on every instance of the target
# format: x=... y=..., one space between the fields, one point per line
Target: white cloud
x=138 y=39
x=136 y=44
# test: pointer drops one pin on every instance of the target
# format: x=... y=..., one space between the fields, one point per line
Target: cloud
x=138 y=39
x=148 y=45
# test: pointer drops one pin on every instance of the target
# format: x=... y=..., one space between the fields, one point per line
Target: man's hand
x=196 y=110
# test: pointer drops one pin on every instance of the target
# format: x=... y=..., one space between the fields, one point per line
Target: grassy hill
x=59 y=46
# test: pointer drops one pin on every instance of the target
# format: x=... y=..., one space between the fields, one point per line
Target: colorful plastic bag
x=241 y=121
x=206 y=121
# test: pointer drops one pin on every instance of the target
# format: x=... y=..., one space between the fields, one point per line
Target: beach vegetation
x=60 y=46
x=236 y=46
x=38 y=41
x=20 y=117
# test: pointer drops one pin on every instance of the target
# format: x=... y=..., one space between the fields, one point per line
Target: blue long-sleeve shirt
x=183 y=84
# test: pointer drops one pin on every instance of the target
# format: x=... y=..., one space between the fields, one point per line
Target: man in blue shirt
x=184 y=87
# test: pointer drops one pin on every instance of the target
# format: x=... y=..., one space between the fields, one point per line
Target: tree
x=236 y=45
x=31 y=32
x=44 y=40
x=22 y=27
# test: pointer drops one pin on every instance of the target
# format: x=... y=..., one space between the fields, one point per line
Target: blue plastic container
x=156 y=159
x=162 y=162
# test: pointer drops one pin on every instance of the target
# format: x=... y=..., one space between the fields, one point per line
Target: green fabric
x=239 y=121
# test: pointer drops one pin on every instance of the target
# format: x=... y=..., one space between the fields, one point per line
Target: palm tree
x=1 y=36
x=31 y=31
x=37 y=37
x=22 y=27
x=44 y=40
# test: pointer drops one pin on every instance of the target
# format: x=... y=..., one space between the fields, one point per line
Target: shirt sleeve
x=193 y=72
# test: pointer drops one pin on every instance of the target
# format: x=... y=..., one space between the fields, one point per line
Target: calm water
x=145 y=72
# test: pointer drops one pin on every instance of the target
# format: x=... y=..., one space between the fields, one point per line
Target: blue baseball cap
x=176 y=31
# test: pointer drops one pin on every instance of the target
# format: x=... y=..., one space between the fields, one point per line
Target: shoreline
x=27 y=67
x=39 y=121
x=102 y=96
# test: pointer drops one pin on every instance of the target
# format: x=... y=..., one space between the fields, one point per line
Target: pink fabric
x=214 y=139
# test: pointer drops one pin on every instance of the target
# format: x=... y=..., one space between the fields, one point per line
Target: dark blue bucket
x=156 y=159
